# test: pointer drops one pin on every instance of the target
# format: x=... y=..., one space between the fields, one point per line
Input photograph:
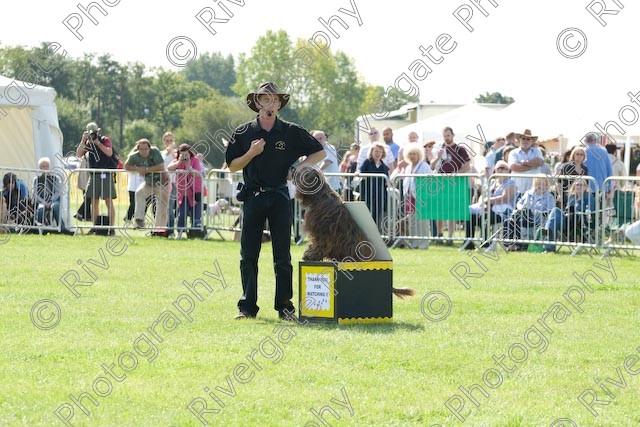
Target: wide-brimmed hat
x=266 y=88
x=428 y=143
x=527 y=133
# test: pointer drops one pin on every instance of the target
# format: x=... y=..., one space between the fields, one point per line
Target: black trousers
x=273 y=206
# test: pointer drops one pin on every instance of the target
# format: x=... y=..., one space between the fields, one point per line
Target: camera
x=185 y=159
x=92 y=135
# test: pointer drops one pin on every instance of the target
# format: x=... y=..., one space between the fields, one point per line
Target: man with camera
x=101 y=184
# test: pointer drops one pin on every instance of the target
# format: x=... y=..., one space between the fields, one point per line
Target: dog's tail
x=402 y=292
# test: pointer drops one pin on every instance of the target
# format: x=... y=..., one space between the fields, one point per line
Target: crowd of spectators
x=170 y=184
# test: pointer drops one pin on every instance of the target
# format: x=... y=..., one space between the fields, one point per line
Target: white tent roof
x=463 y=120
x=29 y=126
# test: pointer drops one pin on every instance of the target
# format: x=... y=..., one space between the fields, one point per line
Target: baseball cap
x=93 y=127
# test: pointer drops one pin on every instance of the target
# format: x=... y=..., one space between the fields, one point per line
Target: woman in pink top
x=188 y=186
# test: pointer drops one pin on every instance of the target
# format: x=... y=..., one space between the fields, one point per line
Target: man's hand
x=257 y=147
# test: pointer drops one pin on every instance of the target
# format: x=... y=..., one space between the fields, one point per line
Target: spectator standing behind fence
x=511 y=143
x=490 y=155
x=330 y=162
x=373 y=190
x=401 y=162
x=597 y=163
x=501 y=199
x=133 y=182
x=148 y=162
x=574 y=166
x=84 y=211
x=525 y=160
x=374 y=137
x=349 y=164
x=415 y=165
x=188 y=187
x=169 y=155
x=47 y=189
x=617 y=167
x=531 y=212
x=387 y=136
x=101 y=184
x=450 y=159
x=568 y=220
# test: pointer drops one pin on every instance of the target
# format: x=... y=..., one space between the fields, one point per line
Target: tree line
x=201 y=103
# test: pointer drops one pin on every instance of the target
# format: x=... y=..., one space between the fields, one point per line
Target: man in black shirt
x=265 y=149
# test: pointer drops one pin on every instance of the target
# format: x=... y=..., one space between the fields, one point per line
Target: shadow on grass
x=377 y=328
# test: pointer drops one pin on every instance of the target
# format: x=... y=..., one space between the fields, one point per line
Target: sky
x=513 y=50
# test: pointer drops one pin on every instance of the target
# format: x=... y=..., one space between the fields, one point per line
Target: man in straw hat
x=526 y=159
x=265 y=149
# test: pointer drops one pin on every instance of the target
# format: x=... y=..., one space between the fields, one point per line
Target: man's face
x=321 y=137
x=499 y=143
x=525 y=143
x=45 y=166
x=269 y=102
x=448 y=137
x=374 y=135
x=511 y=140
x=144 y=150
x=387 y=135
x=413 y=137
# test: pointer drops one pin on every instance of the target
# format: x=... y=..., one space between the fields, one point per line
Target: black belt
x=269 y=189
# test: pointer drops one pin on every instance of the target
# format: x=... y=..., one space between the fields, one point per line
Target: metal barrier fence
x=33 y=199
x=621 y=215
x=430 y=206
x=410 y=210
x=169 y=200
x=223 y=211
x=559 y=210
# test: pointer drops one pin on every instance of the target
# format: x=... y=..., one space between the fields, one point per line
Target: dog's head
x=311 y=184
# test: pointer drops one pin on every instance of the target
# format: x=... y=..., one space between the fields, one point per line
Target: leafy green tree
x=209 y=124
x=138 y=129
x=72 y=118
x=213 y=69
x=494 y=98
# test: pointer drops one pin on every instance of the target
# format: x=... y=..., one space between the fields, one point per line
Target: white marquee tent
x=29 y=130
x=29 y=126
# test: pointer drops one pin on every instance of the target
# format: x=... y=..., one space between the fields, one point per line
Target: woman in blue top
x=570 y=220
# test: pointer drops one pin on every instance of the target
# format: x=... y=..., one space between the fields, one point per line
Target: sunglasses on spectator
x=526 y=139
x=373 y=133
x=502 y=168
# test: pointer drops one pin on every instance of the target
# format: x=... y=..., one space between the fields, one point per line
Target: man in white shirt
x=490 y=157
x=374 y=136
x=330 y=162
x=526 y=159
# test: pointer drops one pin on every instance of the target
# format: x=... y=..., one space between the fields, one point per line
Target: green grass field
x=266 y=372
